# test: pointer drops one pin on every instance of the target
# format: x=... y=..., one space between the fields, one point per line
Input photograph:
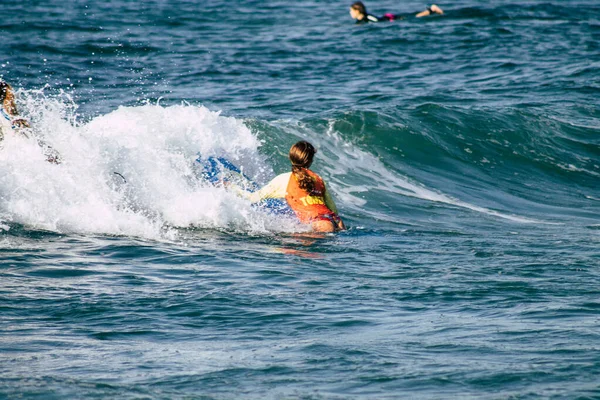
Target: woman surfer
x=304 y=191
x=358 y=11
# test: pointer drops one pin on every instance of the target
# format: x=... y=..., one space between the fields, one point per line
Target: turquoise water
x=463 y=152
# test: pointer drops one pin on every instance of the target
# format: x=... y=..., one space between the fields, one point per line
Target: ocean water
x=463 y=152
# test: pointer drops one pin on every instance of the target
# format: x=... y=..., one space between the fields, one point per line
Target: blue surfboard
x=219 y=170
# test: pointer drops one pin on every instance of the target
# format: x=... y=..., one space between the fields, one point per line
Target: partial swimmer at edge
x=12 y=123
x=9 y=116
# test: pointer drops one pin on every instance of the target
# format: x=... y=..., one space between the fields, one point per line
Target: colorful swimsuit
x=309 y=207
x=318 y=206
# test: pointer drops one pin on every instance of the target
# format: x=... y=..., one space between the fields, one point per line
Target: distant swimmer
x=304 y=191
x=358 y=11
x=12 y=123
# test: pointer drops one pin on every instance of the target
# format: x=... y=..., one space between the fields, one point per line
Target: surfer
x=358 y=11
x=12 y=123
x=304 y=191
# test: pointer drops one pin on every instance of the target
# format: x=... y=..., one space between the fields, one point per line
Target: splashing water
x=130 y=172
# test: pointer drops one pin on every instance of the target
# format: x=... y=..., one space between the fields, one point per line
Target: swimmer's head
x=301 y=156
x=358 y=10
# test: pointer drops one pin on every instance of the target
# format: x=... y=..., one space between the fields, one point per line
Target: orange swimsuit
x=309 y=207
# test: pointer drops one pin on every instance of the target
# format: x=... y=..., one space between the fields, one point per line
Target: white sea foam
x=154 y=148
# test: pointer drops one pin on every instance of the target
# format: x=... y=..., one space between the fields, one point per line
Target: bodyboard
x=219 y=171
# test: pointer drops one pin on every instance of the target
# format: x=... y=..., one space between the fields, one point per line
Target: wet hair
x=360 y=7
x=301 y=156
x=7 y=98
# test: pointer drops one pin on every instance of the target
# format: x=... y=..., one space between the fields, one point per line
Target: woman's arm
x=275 y=189
x=331 y=205
x=329 y=200
x=433 y=9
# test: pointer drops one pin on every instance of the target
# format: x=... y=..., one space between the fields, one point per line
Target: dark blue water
x=463 y=152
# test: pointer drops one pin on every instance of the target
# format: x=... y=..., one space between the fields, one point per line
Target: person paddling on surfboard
x=304 y=191
x=358 y=11
x=12 y=123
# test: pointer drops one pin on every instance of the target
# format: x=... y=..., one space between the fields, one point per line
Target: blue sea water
x=463 y=152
